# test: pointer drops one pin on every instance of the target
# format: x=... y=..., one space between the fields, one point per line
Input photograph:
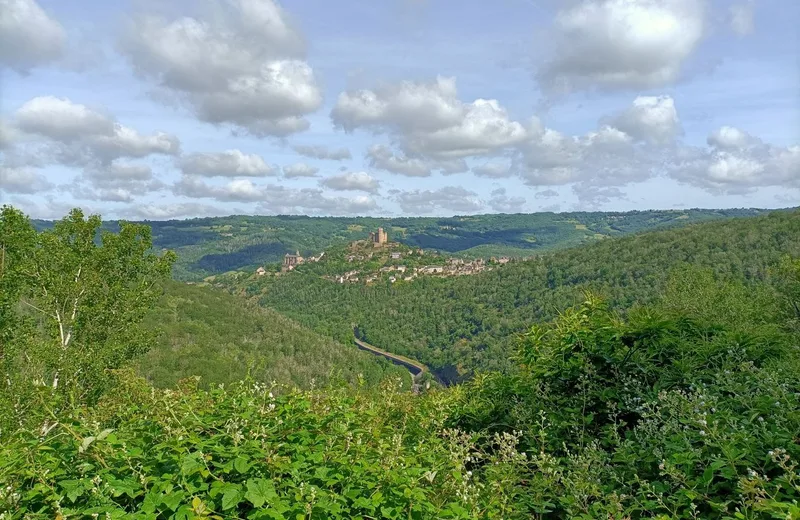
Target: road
x=415 y=368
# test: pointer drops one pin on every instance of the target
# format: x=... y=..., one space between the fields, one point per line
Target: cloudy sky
x=154 y=110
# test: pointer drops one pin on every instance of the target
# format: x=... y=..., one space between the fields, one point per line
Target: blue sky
x=139 y=109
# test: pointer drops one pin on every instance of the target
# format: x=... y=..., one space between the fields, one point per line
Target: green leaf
x=191 y=464
x=73 y=488
x=241 y=464
x=260 y=491
x=231 y=496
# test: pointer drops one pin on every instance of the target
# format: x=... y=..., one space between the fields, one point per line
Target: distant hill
x=208 y=246
x=456 y=325
x=221 y=337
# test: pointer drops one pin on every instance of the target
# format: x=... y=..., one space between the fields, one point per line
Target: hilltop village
x=376 y=259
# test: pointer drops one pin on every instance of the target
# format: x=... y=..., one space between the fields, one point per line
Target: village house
x=261 y=271
x=396 y=255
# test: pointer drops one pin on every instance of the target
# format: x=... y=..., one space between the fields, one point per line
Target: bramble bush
x=249 y=452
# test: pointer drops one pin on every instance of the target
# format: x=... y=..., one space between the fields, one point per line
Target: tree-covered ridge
x=458 y=325
x=208 y=246
x=223 y=339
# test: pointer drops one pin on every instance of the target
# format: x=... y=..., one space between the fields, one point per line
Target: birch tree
x=90 y=290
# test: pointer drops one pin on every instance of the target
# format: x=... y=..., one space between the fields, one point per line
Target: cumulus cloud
x=429 y=120
x=382 y=157
x=230 y=163
x=731 y=138
x=604 y=157
x=737 y=162
x=83 y=135
x=502 y=203
x=352 y=181
x=652 y=119
x=273 y=198
x=546 y=194
x=622 y=43
x=300 y=170
x=173 y=211
x=493 y=170
x=313 y=201
x=23 y=180
x=406 y=106
x=322 y=152
x=593 y=197
x=239 y=190
x=449 y=198
x=243 y=66
x=117 y=182
x=29 y=37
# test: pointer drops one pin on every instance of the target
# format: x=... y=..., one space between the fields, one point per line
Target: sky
x=144 y=109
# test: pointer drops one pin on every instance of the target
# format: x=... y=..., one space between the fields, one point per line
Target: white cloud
x=501 y=202
x=62 y=120
x=484 y=129
x=82 y=135
x=28 y=36
x=23 y=180
x=428 y=121
x=406 y=106
x=300 y=170
x=322 y=152
x=652 y=119
x=449 y=198
x=239 y=190
x=284 y=200
x=173 y=211
x=622 y=43
x=123 y=172
x=737 y=162
x=546 y=194
x=351 y=181
x=741 y=17
x=242 y=66
x=230 y=163
x=273 y=198
x=593 y=197
x=493 y=170
x=608 y=156
x=730 y=138
x=382 y=157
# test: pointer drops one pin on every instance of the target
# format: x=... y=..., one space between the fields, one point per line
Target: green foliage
x=247 y=452
x=663 y=412
x=223 y=338
x=83 y=296
x=17 y=242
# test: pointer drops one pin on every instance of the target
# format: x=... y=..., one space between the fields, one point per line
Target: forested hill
x=223 y=339
x=207 y=246
x=457 y=325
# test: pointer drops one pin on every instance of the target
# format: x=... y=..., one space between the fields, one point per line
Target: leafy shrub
x=653 y=415
x=246 y=452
